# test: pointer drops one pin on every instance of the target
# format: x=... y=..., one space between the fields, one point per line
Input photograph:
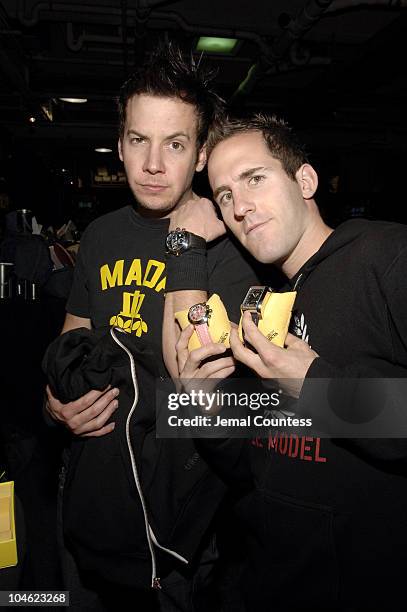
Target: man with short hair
x=324 y=523
x=165 y=110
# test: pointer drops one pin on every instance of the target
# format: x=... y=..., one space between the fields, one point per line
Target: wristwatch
x=199 y=315
x=180 y=240
x=254 y=300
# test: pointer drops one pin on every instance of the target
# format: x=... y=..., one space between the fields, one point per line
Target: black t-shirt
x=120 y=274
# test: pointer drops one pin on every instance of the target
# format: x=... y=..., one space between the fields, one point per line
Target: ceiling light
x=103 y=150
x=74 y=100
x=31 y=119
x=217 y=45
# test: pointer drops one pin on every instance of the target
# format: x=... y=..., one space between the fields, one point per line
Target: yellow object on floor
x=8 y=546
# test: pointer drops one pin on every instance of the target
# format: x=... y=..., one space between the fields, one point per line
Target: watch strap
x=196 y=242
x=193 y=240
x=202 y=331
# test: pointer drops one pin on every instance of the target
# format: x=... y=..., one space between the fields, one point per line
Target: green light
x=216 y=45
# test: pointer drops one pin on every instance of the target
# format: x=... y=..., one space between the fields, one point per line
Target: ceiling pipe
x=79 y=10
x=342 y=5
x=299 y=54
x=33 y=19
x=306 y=18
x=76 y=44
x=286 y=66
x=74 y=60
x=288 y=41
x=149 y=4
x=74 y=12
x=280 y=68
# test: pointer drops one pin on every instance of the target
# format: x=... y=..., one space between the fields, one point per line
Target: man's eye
x=176 y=146
x=136 y=140
x=225 y=198
x=256 y=179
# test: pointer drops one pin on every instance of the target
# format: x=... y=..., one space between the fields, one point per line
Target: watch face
x=198 y=314
x=177 y=241
x=253 y=298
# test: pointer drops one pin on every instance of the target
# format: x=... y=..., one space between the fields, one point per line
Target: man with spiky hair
x=165 y=109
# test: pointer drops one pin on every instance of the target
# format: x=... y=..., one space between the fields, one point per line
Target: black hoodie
x=125 y=525
x=326 y=521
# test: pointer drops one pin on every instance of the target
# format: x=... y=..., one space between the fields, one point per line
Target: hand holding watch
x=254 y=301
x=270 y=311
x=199 y=315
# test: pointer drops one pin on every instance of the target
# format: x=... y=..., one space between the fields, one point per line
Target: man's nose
x=242 y=204
x=153 y=162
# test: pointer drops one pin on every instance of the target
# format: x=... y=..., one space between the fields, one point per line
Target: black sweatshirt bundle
x=105 y=522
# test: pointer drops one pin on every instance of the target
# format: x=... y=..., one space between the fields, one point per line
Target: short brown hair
x=278 y=136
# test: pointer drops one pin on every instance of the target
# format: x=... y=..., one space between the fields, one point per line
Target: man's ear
x=307 y=179
x=201 y=161
x=119 y=148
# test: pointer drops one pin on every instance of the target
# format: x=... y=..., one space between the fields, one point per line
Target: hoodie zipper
x=151 y=539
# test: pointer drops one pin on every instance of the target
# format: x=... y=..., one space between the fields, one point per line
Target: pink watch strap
x=202 y=332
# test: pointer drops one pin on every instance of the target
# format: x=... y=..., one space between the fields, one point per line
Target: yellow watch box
x=218 y=323
x=8 y=545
